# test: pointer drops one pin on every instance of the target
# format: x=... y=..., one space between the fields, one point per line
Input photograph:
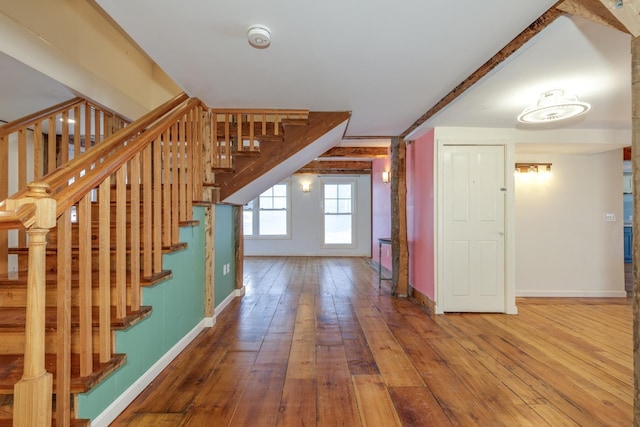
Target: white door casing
x=474 y=270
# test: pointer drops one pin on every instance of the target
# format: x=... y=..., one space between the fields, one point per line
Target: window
x=338 y=210
x=247 y=219
x=268 y=215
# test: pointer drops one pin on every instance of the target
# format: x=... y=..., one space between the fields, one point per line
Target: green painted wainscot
x=225 y=254
x=176 y=318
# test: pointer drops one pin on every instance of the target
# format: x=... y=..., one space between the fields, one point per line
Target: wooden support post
x=32 y=394
x=4 y=193
x=635 y=160
x=239 y=243
x=399 y=248
x=210 y=256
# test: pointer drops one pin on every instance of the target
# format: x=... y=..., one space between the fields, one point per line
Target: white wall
x=563 y=245
x=306 y=222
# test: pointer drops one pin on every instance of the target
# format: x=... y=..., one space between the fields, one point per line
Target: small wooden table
x=382 y=241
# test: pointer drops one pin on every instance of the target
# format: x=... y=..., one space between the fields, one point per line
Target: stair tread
x=19 y=279
x=52 y=248
x=295 y=122
x=11 y=368
x=8 y=422
x=12 y=319
x=246 y=153
x=270 y=138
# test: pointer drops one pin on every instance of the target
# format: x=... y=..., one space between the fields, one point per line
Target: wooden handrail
x=25 y=121
x=256 y=111
x=72 y=194
x=73 y=168
x=23 y=217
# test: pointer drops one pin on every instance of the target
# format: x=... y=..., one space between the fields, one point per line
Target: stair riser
x=52 y=262
x=95 y=234
x=17 y=297
x=14 y=342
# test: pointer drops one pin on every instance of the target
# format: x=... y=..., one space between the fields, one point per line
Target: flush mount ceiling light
x=259 y=36
x=553 y=105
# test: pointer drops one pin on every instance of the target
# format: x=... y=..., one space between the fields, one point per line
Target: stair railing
x=238 y=131
x=151 y=169
x=44 y=141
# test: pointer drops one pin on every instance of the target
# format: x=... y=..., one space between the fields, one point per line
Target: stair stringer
x=278 y=160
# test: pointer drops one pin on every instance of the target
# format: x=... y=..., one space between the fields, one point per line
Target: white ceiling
x=24 y=90
x=581 y=57
x=386 y=62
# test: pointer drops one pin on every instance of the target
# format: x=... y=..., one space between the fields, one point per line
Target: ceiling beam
x=626 y=12
x=592 y=10
x=358 y=152
x=527 y=34
x=337 y=167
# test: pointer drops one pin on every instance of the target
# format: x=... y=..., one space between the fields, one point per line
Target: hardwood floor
x=312 y=343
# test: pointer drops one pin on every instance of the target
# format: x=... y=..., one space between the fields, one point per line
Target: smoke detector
x=259 y=36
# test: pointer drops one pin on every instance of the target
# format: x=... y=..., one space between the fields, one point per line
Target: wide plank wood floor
x=312 y=343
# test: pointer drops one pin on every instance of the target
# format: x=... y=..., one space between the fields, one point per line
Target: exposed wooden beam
x=337 y=167
x=358 y=152
x=399 y=244
x=360 y=137
x=626 y=12
x=538 y=25
x=592 y=10
x=239 y=245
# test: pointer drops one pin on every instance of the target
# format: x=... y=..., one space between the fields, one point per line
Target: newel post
x=32 y=394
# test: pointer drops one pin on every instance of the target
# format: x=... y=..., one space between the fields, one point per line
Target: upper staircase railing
x=99 y=249
x=240 y=131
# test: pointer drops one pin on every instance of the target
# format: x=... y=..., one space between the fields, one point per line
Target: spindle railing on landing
x=239 y=132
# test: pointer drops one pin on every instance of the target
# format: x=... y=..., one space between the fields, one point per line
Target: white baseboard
x=225 y=302
x=120 y=404
x=571 y=294
x=209 y=322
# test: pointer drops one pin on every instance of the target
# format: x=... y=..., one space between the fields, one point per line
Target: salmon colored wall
x=420 y=214
x=380 y=210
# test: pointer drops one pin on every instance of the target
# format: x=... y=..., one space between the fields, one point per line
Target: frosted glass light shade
x=553 y=105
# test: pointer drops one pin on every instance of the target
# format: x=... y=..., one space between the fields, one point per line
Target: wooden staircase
x=101 y=223
x=250 y=143
x=78 y=243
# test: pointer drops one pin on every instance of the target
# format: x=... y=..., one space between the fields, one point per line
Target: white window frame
x=255 y=235
x=354 y=208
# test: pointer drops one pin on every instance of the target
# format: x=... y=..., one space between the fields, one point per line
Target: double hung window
x=267 y=216
x=338 y=213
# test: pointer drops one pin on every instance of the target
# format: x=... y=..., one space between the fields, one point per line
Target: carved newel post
x=32 y=394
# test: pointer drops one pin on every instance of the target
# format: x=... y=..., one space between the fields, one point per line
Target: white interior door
x=474 y=225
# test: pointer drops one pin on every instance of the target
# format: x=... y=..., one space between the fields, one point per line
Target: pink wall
x=420 y=214
x=380 y=210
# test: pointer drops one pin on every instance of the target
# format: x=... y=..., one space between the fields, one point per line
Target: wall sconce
x=306 y=187
x=533 y=167
x=385 y=177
